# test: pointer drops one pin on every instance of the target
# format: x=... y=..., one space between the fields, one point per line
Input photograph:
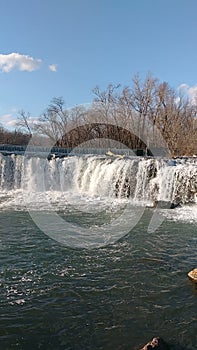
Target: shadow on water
x=167 y=346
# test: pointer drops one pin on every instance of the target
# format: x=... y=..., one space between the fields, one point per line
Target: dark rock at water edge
x=156 y=343
x=166 y=204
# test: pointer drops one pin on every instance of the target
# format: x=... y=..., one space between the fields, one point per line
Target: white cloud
x=33 y=121
x=5 y=118
x=53 y=67
x=183 y=87
x=190 y=91
x=10 y=121
x=7 y=121
x=22 y=62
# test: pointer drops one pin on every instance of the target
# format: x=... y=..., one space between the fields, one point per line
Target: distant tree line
x=149 y=113
x=15 y=137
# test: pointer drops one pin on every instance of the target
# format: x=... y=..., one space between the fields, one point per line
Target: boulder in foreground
x=193 y=275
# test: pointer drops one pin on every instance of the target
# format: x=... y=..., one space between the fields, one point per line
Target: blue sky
x=51 y=48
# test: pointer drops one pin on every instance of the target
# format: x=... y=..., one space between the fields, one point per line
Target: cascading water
x=141 y=179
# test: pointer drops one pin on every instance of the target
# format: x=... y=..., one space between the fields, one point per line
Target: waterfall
x=141 y=179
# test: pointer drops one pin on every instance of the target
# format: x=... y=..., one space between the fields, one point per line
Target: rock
x=109 y=153
x=156 y=343
x=193 y=275
x=174 y=205
x=165 y=204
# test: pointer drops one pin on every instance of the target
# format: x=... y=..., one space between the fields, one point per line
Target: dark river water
x=115 y=297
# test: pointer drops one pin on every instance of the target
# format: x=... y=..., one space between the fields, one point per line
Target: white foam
x=186 y=213
x=91 y=182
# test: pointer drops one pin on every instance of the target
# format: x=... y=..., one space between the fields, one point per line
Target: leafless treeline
x=148 y=113
x=13 y=137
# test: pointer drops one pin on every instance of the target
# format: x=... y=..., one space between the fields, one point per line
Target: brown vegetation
x=146 y=114
x=13 y=137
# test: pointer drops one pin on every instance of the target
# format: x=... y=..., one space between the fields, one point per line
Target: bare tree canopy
x=145 y=105
x=23 y=122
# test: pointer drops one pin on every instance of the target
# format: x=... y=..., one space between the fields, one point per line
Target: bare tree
x=24 y=122
x=121 y=115
x=53 y=122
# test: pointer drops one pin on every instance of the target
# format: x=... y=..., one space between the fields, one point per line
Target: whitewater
x=91 y=178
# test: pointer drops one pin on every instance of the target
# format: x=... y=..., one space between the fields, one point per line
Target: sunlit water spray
x=97 y=184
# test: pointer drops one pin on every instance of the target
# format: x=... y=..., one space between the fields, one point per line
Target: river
x=87 y=263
